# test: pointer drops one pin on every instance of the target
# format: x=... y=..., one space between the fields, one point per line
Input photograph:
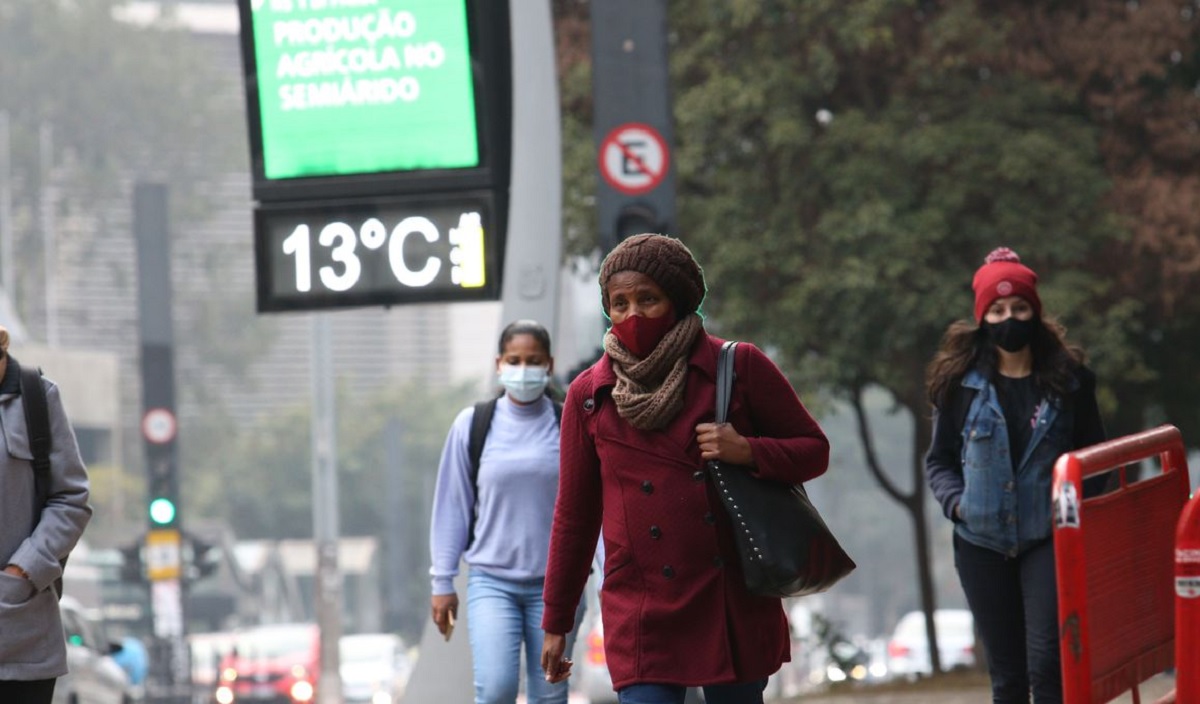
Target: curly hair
x=965 y=346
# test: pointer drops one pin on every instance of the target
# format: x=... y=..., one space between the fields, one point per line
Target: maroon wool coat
x=674 y=603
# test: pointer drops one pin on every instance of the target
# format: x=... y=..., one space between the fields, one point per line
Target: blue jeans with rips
x=503 y=615
x=739 y=693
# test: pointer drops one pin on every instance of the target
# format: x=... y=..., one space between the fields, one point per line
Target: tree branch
x=864 y=435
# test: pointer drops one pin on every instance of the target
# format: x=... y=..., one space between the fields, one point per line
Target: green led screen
x=363 y=86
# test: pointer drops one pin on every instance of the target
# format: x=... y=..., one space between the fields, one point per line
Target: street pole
x=533 y=251
x=6 y=233
x=327 y=580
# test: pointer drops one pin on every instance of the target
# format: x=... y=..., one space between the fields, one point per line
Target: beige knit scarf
x=649 y=392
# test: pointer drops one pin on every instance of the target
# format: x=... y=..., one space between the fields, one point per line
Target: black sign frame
x=267 y=272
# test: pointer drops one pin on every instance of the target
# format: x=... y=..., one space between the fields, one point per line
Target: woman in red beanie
x=637 y=428
x=1010 y=396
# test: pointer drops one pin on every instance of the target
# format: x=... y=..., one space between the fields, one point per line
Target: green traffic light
x=162 y=511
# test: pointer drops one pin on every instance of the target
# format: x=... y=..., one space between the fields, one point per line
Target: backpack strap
x=481 y=423
x=37 y=428
x=37 y=425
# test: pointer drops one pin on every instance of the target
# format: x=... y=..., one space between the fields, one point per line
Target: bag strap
x=37 y=426
x=481 y=423
x=725 y=379
x=37 y=430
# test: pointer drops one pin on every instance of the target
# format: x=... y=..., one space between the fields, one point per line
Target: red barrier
x=1187 y=603
x=1115 y=562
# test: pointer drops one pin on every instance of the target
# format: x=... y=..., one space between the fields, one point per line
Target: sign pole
x=533 y=250
x=327 y=580
x=170 y=671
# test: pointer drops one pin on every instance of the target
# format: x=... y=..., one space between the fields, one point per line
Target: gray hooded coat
x=32 y=646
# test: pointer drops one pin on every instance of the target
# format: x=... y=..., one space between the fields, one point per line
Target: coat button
x=698 y=476
x=1009 y=486
x=589 y=405
x=668 y=571
x=718 y=562
x=709 y=518
x=655 y=532
x=647 y=487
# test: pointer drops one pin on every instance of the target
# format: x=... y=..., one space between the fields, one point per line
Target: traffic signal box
x=632 y=120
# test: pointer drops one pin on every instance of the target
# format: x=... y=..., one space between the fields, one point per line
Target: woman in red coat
x=637 y=428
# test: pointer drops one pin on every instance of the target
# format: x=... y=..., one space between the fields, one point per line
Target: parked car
x=908 y=649
x=94 y=677
x=374 y=668
x=277 y=664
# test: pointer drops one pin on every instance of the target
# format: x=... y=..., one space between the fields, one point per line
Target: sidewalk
x=952 y=689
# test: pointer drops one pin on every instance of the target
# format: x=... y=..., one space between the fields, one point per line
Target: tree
x=844 y=169
x=1134 y=70
x=259 y=481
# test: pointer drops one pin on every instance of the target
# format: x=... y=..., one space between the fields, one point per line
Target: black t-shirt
x=1019 y=401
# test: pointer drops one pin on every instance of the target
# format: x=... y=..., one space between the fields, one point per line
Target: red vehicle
x=276 y=664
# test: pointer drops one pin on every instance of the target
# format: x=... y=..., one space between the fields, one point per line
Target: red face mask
x=641 y=335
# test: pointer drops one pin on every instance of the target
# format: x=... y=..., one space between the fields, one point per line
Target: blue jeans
x=740 y=693
x=1015 y=604
x=501 y=614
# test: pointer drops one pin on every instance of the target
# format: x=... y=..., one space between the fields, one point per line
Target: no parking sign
x=634 y=158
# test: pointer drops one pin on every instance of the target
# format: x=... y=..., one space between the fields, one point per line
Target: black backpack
x=37 y=425
x=481 y=423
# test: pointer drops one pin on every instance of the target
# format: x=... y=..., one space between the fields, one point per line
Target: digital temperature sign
x=375 y=252
x=380 y=149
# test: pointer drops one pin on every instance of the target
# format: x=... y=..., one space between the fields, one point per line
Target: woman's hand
x=722 y=442
x=442 y=606
x=556 y=667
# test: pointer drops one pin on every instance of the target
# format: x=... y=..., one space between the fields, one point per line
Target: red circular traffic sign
x=634 y=158
x=158 y=426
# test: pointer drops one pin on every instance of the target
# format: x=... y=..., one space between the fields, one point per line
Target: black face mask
x=1011 y=335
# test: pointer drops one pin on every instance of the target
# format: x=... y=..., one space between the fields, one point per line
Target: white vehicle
x=908 y=649
x=374 y=668
x=94 y=677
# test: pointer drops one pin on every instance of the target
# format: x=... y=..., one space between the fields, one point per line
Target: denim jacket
x=1004 y=500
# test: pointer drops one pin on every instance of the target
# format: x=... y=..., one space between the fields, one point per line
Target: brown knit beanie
x=662 y=258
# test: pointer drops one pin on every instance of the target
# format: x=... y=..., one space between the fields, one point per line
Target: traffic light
x=162 y=511
x=633 y=219
x=163 y=508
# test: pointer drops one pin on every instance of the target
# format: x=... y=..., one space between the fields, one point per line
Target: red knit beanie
x=1001 y=275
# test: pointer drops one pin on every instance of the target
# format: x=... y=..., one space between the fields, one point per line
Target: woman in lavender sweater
x=498 y=521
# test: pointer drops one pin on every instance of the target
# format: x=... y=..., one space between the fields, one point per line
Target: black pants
x=30 y=692
x=1015 y=603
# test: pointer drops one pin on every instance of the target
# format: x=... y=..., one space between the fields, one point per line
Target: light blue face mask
x=523 y=382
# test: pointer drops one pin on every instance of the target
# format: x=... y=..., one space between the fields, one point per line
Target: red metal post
x=1070 y=568
x=1187 y=603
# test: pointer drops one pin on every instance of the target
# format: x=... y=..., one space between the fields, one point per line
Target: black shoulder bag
x=785 y=547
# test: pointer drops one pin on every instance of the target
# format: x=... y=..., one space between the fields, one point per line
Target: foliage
x=1133 y=69
x=259 y=481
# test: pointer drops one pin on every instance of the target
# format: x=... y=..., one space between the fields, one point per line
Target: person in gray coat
x=33 y=651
